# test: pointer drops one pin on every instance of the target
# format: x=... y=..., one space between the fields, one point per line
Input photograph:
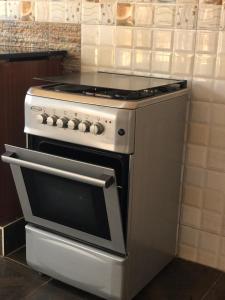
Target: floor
x=180 y=280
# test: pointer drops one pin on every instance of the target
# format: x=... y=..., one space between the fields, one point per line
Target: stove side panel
x=155 y=190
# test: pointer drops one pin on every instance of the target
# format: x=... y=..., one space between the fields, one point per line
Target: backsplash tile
x=206 y=42
x=73 y=11
x=204 y=65
x=142 y=60
x=209 y=17
x=3 y=9
x=186 y=16
x=13 y=9
x=57 y=11
x=164 y=15
x=123 y=58
x=125 y=14
x=143 y=15
x=142 y=38
x=124 y=36
x=27 y=10
x=162 y=40
x=41 y=10
x=108 y=12
x=161 y=62
x=91 y=12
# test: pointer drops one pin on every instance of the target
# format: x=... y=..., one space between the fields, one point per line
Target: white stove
x=99 y=180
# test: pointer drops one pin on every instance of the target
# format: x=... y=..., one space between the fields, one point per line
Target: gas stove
x=99 y=180
x=101 y=105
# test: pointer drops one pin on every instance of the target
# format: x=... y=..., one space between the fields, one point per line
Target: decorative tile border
x=181 y=13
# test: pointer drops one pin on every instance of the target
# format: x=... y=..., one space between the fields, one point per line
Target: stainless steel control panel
x=91 y=125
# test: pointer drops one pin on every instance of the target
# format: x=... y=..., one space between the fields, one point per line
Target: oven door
x=74 y=198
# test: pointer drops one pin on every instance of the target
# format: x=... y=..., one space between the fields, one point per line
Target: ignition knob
x=73 y=124
x=84 y=126
x=97 y=128
x=62 y=122
x=51 y=121
x=42 y=119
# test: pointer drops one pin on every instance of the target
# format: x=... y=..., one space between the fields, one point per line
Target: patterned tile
x=206 y=42
x=184 y=40
x=57 y=11
x=42 y=10
x=186 y=16
x=214 y=2
x=5 y=33
x=3 y=9
x=125 y=14
x=73 y=11
x=209 y=17
x=222 y=20
x=29 y=34
x=108 y=12
x=27 y=10
x=164 y=15
x=91 y=12
x=13 y=10
x=66 y=36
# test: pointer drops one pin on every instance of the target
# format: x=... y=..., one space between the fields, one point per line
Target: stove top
x=113 y=86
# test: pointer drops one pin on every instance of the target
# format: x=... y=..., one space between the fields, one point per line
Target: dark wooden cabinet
x=15 y=79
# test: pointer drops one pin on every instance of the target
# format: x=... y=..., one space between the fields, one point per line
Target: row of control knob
x=73 y=124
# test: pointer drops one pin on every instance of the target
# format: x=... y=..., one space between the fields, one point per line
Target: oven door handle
x=104 y=181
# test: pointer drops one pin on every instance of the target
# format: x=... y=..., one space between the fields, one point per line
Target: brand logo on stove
x=36 y=108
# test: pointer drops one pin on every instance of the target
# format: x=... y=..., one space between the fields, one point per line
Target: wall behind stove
x=183 y=39
x=43 y=24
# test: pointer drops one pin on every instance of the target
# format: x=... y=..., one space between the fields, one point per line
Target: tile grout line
x=16 y=250
x=17 y=262
x=36 y=289
x=212 y=286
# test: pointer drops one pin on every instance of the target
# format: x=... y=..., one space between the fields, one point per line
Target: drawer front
x=79 y=265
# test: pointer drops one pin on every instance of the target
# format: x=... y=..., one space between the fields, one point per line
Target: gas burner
x=118 y=94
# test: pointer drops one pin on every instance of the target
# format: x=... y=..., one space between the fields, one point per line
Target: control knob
x=73 y=124
x=62 y=122
x=97 y=128
x=51 y=121
x=42 y=119
x=84 y=126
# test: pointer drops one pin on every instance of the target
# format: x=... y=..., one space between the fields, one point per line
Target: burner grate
x=114 y=93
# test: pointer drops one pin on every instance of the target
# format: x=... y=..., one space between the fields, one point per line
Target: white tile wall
x=186 y=39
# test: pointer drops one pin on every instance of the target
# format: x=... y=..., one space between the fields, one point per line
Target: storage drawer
x=82 y=266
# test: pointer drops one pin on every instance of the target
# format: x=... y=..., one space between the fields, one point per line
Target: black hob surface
x=113 y=86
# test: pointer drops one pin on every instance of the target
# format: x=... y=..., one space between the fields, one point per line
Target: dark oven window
x=118 y=162
x=73 y=204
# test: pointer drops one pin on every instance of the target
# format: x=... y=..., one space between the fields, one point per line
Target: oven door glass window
x=74 y=198
x=67 y=202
